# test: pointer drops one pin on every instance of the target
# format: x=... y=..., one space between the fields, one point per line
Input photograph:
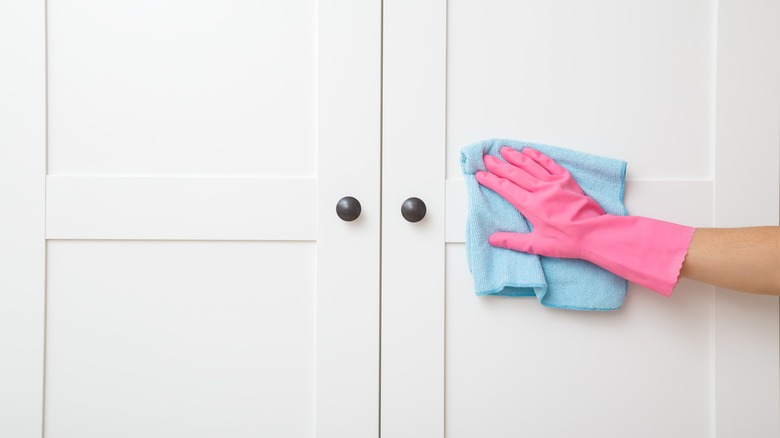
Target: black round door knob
x=348 y=208
x=413 y=210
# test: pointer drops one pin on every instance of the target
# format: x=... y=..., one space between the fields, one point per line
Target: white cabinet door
x=688 y=93
x=191 y=278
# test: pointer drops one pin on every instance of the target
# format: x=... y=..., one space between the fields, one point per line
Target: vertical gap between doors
x=45 y=242
x=444 y=246
x=381 y=126
x=713 y=214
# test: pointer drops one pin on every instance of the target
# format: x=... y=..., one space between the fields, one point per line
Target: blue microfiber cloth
x=563 y=283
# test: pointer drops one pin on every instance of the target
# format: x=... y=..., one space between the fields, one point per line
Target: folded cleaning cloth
x=563 y=283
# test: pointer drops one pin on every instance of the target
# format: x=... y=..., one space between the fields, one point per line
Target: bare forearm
x=745 y=259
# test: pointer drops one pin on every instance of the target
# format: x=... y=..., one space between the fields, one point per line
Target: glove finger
x=514 y=241
x=515 y=195
x=555 y=169
x=546 y=162
x=532 y=167
x=513 y=173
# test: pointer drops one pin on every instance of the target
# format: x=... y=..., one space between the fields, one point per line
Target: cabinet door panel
x=191 y=338
x=181 y=87
x=666 y=86
x=199 y=280
x=511 y=366
x=589 y=76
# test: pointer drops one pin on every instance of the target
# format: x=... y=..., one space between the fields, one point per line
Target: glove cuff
x=645 y=251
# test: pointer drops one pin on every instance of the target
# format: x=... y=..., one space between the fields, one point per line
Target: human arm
x=744 y=259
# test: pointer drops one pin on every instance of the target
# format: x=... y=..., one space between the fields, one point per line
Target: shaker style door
x=197 y=279
x=687 y=93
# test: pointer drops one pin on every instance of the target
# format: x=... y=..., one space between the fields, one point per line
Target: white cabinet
x=174 y=266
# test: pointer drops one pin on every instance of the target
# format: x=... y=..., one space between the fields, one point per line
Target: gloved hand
x=567 y=223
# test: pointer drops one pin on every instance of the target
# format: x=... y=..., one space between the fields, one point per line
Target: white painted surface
x=631 y=80
x=348 y=164
x=182 y=87
x=238 y=123
x=413 y=91
x=195 y=339
x=144 y=101
x=213 y=208
x=515 y=368
x=605 y=76
x=746 y=328
x=22 y=203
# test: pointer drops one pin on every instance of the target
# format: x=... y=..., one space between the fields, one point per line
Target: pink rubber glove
x=567 y=223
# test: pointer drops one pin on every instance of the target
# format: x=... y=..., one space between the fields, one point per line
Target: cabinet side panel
x=747 y=193
x=22 y=223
